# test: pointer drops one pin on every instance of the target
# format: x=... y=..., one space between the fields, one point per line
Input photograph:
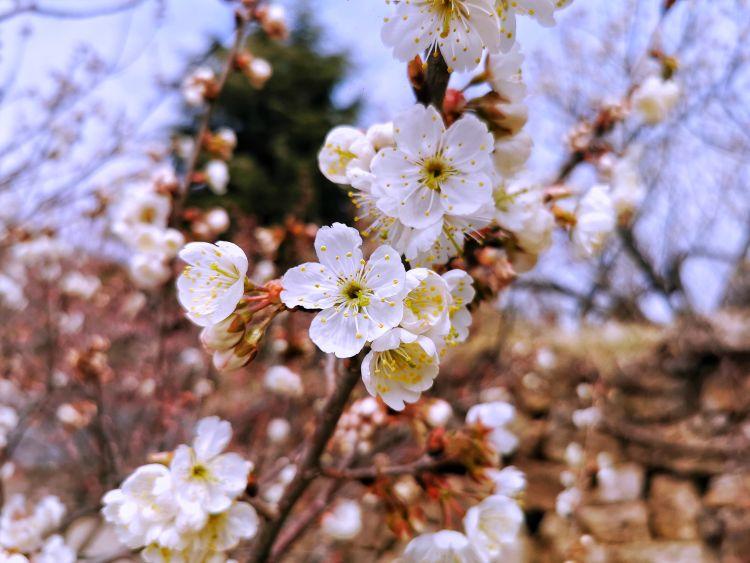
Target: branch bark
x=309 y=465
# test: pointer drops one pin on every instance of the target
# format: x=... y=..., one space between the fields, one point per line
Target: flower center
x=434 y=172
x=424 y=301
x=447 y=10
x=403 y=365
x=356 y=293
x=148 y=215
x=199 y=471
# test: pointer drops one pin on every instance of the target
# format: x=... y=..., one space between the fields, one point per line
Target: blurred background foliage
x=274 y=171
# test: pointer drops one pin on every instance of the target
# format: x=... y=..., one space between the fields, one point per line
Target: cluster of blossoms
x=25 y=532
x=217 y=295
x=492 y=527
x=460 y=30
x=357 y=426
x=408 y=318
x=219 y=147
x=39 y=254
x=141 y=221
x=188 y=510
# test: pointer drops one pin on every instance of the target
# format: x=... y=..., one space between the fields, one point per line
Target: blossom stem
x=310 y=462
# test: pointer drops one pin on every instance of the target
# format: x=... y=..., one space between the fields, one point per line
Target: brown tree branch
x=310 y=462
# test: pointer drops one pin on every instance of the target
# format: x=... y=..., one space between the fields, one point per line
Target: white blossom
x=399 y=367
x=627 y=188
x=54 y=550
x=460 y=285
x=595 y=221
x=283 y=381
x=505 y=75
x=380 y=135
x=493 y=525
x=278 y=430
x=80 y=285
x=197 y=85
x=217 y=176
x=521 y=211
x=439 y=413
x=655 y=98
x=432 y=172
x=343 y=521
x=217 y=219
x=143 y=510
x=445 y=546
x=541 y=10
x=360 y=300
x=508 y=481
x=213 y=282
x=344 y=151
x=495 y=416
x=23 y=528
x=511 y=153
x=142 y=206
x=11 y=294
x=205 y=479
x=147 y=271
x=460 y=29
x=426 y=303
x=567 y=501
x=259 y=71
x=186 y=512
x=8 y=421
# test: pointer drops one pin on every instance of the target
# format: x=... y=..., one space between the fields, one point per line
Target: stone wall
x=673 y=484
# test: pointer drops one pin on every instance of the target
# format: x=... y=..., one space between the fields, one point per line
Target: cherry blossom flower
x=23 y=528
x=493 y=525
x=189 y=511
x=511 y=153
x=445 y=546
x=595 y=221
x=360 y=300
x=426 y=303
x=54 y=550
x=198 y=85
x=143 y=509
x=655 y=98
x=505 y=75
x=541 y=10
x=459 y=29
x=213 y=282
x=399 y=367
x=521 y=211
x=217 y=176
x=451 y=234
x=343 y=521
x=438 y=413
x=461 y=287
x=283 y=381
x=205 y=479
x=8 y=421
x=508 y=481
x=345 y=150
x=432 y=172
x=495 y=416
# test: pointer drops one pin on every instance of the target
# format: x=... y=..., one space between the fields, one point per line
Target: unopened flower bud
x=502 y=118
x=233 y=359
x=273 y=21
x=258 y=71
x=224 y=335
